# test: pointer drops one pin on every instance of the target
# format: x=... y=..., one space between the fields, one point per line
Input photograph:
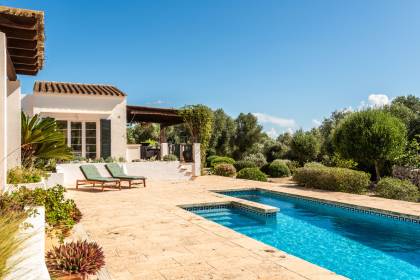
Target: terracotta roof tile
x=75 y=88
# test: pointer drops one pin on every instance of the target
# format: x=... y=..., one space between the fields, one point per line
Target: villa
x=249 y=221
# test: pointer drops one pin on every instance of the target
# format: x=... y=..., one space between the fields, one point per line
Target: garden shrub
x=314 y=164
x=220 y=160
x=241 y=164
x=291 y=164
x=278 y=169
x=210 y=159
x=225 y=169
x=60 y=213
x=397 y=189
x=170 y=158
x=258 y=159
x=19 y=175
x=252 y=174
x=315 y=175
x=338 y=161
x=265 y=167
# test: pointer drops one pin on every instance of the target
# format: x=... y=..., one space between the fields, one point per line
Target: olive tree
x=198 y=120
x=371 y=137
x=305 y=146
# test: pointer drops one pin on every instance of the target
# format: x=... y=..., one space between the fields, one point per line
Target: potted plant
x=75 y=260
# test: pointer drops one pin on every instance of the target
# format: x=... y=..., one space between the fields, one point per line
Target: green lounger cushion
x=116 y=171
x=92 y=174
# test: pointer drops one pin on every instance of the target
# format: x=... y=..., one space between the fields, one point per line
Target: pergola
x=164 y=117
x=21 y=52
x=24 y=30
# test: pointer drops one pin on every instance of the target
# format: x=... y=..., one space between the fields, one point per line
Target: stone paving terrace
x=145 y=235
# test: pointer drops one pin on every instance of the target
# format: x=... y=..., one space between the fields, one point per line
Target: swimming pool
x=351 y=243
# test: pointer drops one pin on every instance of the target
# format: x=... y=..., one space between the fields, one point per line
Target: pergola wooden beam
x=163 y=116
x=24 y=30
x=11 y=71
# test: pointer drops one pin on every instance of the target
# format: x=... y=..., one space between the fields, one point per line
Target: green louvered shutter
x=105 y=138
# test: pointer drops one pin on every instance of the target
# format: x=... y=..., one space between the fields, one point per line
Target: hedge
x=241 y=164
x=397 y=189
x=219 y=160
x=225 y=169
x=317 y=176
x=278 y=169
x=252 y=173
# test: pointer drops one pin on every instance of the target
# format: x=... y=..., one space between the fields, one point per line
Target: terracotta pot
x=72 y=277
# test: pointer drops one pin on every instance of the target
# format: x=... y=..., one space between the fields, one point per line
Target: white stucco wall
x=119 y=130
x=13 y=124
x=30 y=260
x=152 y=170
x=84 y=108
x=3 y=110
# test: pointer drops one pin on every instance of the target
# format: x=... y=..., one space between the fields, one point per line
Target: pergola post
x=196 y=159
x=3 y=111
x=164 y=147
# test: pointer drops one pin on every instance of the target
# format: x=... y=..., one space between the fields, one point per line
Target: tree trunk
x=377 y=171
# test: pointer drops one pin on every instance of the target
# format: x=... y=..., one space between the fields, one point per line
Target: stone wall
x=412 y=174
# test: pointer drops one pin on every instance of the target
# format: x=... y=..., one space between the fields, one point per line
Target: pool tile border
x=351 y=207
x=261 y=212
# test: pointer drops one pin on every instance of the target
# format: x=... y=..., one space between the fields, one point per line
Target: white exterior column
x=13 y=124
x=164 y=150
x=3 y=111
x=196 y=151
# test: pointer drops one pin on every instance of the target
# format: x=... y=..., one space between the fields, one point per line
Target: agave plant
x=41 y=140
x=75 y=258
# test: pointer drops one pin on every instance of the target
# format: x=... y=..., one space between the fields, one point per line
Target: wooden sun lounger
x=118 y=173
x=93 y=177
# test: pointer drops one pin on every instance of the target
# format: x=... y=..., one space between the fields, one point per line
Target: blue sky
x=291 y=62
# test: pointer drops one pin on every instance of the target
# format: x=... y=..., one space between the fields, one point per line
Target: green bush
x=241 y=164
x=225 y=169
x=60 y=213
x=397 y=189
x=278 y=169
x=338 y=161
x=258 y=159
x=210 y=159
x=219 y=160
x=20 y=175
x=252 y=174
x=315 y=175
x=265 y=167
x=291 y=164
x=314 y=164
x=170 y=158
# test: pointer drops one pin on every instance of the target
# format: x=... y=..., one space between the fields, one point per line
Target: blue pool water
x=354 y=244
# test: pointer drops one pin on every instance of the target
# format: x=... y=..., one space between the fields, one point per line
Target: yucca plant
x=41 y=140
x=75 y=258
x=10 y=241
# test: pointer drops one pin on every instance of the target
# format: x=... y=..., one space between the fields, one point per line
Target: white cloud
x=316 y=122
x=273 y=126
x=273 y=133
x=378 y=100
x=157 y=102
x=285 y=123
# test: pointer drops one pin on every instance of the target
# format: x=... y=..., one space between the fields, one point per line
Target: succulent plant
x=81 y=257
x=76 y=214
